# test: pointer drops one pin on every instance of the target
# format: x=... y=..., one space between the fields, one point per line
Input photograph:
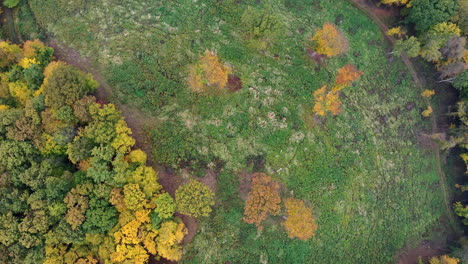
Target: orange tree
x=208 y=74
x=263 y=199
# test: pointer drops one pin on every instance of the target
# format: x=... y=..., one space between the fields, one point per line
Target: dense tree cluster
x=72 y=190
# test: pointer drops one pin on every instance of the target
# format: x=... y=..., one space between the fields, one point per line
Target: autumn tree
x=396 y=2
x=328 y=100
x=64 y=84
x=208 y=74
x=330 y=41
x=347 y=75
x=194 y=199
x=169 y=238
x=444 y=259
x=263 y=200
x=9 y=54
x=300 y=222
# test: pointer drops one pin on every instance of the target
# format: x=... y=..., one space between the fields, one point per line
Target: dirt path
x=374 y=12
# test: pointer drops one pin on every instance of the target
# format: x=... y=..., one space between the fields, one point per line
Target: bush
x=11 y=3
x=194 y=199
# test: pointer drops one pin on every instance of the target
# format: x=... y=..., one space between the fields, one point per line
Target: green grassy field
x=373 y=187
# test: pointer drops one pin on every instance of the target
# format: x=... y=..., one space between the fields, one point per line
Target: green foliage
x=461 y=83
x=410 y=46
x=100 y=217
x=363 y=170
x=261 y=25
x=165 y=206
x=427 y=13
x=194 y=199
x=11 y=3
x=65 y=85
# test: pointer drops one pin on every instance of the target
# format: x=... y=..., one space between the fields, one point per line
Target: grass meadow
x=372 y=184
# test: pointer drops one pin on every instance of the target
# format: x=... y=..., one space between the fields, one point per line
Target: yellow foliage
x=27 y=62
x=123 y=141
x=39 y=91
x=149 y=241
x=447 y=28
x=31 y=47
x=117 y=200
x=19 y=91
x=300 y=222
x=142 y=215
x=134 y=254
x=128 y=233
x=330 y=41
x=4 y=107
x=208 y=73
x=327 y=102
x=397 y=2
x=428 y=93
x=427 y=112
x=51 y=67
x=444 y=260
x=50 y=146
x=147 y=178
x=137 y=156
x=9 y=53
x=395 y=31
x=170 y=235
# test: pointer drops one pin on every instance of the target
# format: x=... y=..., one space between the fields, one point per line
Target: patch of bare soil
x=425 y=251
x=245 y=184
x=209 y=180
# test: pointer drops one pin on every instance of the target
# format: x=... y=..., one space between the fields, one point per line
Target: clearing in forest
x=238 y=87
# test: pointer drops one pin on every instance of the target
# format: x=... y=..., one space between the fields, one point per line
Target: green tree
x=11 y=3
x=427 y=13
x=194 y=199
x=410 y=46
x=65 y=84
x=461 y=83
x=101 y=216
x=165 y=206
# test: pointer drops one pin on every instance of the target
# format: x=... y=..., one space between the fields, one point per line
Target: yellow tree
x=330 y=41
x=300 y=222
x=444 y=260
x=208 y=74
x=263 y=200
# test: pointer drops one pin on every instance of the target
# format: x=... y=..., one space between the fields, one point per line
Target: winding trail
x=369 y=10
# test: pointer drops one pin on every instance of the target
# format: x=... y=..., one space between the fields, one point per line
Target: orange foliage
x=208 y=73
x=327 y=102
x=30 y=47
x=300 y=222
x=263 y=199
x=330 y=41
x=346 y=75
